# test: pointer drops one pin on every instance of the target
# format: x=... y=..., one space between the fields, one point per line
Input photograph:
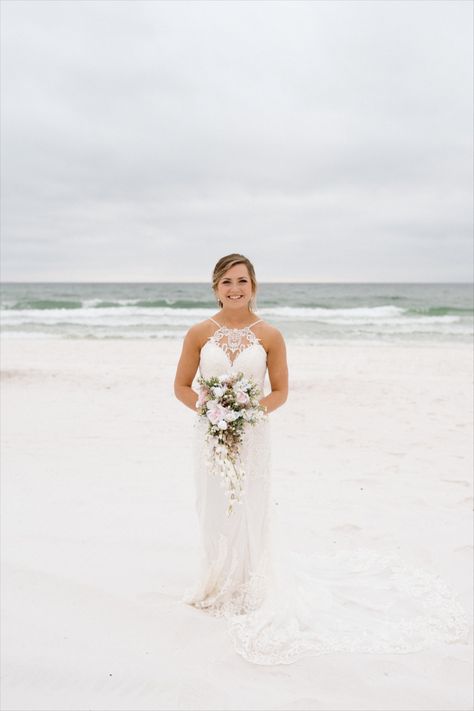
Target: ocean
x=303 y=312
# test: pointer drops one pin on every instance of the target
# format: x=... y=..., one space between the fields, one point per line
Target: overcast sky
x=327 y=141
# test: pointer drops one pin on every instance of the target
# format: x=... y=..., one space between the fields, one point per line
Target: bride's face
x=235 y=283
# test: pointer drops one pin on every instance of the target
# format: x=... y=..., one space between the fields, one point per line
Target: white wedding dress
x=280 y=605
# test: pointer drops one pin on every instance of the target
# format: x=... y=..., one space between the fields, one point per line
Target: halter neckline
x=236 y=329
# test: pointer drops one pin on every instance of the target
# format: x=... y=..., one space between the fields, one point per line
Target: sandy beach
x=100 y=538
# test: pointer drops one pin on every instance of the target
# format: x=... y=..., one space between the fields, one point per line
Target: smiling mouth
x=235 y=298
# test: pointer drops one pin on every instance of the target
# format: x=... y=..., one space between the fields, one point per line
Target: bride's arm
x=187 y=368
x=277 y=371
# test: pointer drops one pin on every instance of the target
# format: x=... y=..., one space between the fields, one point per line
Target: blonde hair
x=225 y=263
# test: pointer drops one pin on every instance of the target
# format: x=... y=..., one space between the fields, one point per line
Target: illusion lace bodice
x=232 y=349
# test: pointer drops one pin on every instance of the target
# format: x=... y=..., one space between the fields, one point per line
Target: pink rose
x=242 y=398
x=215 y=413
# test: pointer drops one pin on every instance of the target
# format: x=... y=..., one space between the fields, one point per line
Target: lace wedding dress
x=280 y=605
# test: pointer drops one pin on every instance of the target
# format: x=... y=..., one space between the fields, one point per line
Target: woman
x=281 y=606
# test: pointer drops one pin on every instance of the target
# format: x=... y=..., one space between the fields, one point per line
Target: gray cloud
x=326 y=140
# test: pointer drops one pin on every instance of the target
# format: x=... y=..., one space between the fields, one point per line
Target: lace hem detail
x=324 y=608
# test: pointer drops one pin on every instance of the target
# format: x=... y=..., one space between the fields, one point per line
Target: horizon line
x=285 y=281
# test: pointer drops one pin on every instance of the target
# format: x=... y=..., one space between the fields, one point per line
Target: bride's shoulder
x=264 y=325
x=267 y=328
x=269 y=335
x=201 y=331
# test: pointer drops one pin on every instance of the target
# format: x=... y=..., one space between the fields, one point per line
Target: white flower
x=222 y=425
x=217 y=391
x=231 y=415
x=241 y=386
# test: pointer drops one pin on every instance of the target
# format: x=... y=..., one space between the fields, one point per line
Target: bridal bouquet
x=229 y=403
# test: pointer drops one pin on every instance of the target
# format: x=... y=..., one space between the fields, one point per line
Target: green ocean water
x=304 y=312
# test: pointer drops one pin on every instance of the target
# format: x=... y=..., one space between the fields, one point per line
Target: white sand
x=99 y=533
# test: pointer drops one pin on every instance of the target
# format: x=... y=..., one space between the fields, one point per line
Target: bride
x=281 y=606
